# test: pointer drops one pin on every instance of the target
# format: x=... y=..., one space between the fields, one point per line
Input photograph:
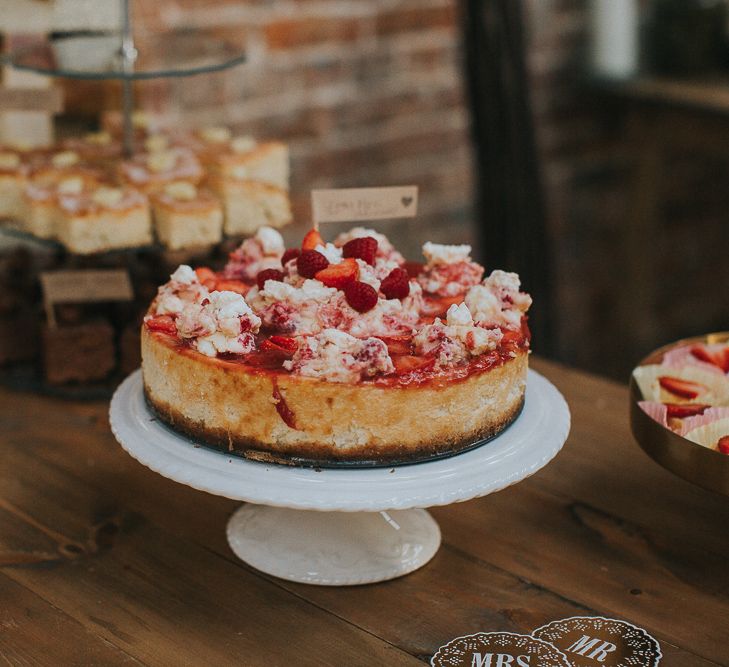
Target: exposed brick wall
x=366 y=93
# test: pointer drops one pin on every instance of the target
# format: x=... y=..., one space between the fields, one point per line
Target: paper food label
x=360 y=204
x=84 y=286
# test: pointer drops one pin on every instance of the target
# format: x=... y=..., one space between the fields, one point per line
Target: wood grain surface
x=102 y=562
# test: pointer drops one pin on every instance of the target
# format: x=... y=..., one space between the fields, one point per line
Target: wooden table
x=104 y=562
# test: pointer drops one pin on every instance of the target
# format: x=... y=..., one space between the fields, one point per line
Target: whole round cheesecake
x=337 y=352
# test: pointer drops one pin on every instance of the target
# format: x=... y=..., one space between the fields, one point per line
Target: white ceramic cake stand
x=342 y=526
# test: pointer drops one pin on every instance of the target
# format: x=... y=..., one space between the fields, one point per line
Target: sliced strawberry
x=719 y=358
x=681 y=410
x=408 y=363
x=437 y=306
x=679 y=387
x=237 y=286
x=273 y=358
x=162 y=323
x=206 y=276
x=723 y=444
x=397 y=345
x=311 y=240
x=284 y=344
x=339 y=275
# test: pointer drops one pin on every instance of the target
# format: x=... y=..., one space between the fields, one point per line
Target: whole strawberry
x=309 y=262
x=361 y=296
x=268 y=274
x=396 y=285
x=364 y=248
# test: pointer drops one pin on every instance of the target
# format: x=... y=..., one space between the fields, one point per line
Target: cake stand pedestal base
x=333 y=548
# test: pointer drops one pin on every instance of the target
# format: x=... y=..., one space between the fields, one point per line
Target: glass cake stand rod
x=128 y=53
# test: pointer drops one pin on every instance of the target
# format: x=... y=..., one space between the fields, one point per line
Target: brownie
x=78 y=352
x=130 y=356
x=19 y=336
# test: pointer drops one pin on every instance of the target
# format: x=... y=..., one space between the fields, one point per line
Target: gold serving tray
x=702 y=466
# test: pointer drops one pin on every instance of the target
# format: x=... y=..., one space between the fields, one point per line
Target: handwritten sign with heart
x=359 y=204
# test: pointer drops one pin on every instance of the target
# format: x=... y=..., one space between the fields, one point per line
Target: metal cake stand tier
x=342 y=526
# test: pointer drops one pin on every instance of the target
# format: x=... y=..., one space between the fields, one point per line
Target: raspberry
x=309 y=262
x=268 y=274
x=364 y=248
x=291 y=253
x=361 y=296
x=396 y=285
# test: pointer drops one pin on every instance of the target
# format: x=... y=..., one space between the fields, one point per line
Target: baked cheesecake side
x=337 y=351
x=261 y=412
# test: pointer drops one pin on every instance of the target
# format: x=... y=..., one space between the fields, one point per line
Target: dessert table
x=104 y=562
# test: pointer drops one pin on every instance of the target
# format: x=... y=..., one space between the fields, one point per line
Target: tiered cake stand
x=342 y=526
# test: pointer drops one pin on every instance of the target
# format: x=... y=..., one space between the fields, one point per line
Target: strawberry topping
x=397 y=344
x=310 y=262
x=723 y=444
x=291 y=253
x=361 y=296
x=206 y=276
x=396 y=285
x=414 y=269
x=268 y=274
x=339 y=275
x=163 y=324
x=284 y=344
x=719 y=358
x=311 y=240
x=681 y=410
x=364 y=248
x=237 y=286
x=408 y=363
x=679 y=387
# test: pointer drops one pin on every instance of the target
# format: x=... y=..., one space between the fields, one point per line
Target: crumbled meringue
x=222 y=323
x=456 y=340
x=339 y=357
x=182 y=288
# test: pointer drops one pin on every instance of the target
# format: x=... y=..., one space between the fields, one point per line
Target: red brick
x=291 y=33
x=417 y=18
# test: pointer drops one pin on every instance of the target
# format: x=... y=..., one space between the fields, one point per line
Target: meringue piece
x=339 y=357
x=221 y=323
x=436 y=253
